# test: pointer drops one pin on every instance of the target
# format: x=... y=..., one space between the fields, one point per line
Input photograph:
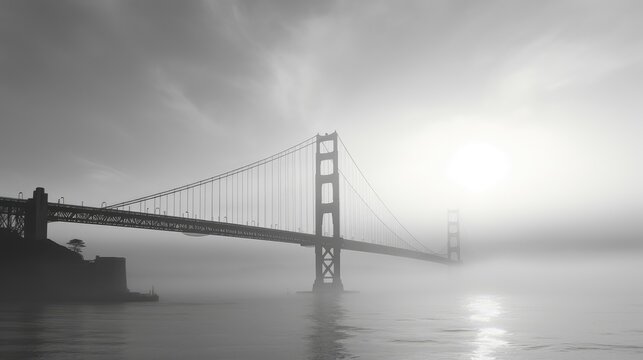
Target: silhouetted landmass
x=42 y=270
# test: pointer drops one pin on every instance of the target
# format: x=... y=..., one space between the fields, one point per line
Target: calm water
x=304 y=326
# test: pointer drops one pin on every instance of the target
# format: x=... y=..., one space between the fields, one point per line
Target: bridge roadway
x=121 y=218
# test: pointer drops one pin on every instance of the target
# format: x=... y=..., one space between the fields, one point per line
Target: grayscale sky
x=109 y=100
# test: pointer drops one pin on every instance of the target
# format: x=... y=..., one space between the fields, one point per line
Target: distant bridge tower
x=327 y=253
x=453 y=235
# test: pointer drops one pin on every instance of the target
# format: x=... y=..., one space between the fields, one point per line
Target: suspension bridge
x=312 y=194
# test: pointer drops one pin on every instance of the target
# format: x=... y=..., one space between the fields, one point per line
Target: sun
x=478 y=167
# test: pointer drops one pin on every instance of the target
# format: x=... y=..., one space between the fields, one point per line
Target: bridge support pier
x=36 y=215
x=328 y=270
x=327 y=254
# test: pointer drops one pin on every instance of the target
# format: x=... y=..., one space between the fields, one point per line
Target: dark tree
x=76 y=245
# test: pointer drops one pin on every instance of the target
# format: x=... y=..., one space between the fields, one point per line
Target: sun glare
x=478 y=167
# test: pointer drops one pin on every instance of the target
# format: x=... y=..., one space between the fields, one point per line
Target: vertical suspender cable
x=265 y=198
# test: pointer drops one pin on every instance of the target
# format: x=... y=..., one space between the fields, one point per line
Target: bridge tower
x=36 y=215
x=327 y=253
x=453 y=235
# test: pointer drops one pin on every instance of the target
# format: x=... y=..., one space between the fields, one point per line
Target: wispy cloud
x=95 y=172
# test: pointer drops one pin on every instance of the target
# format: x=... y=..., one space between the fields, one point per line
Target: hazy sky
x=108 y=100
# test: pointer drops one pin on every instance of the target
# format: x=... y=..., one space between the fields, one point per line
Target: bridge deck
x=121 y=218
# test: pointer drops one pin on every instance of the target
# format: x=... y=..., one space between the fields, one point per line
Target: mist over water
x=566 y=308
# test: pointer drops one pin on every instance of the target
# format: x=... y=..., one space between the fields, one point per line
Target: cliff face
x=42 y=270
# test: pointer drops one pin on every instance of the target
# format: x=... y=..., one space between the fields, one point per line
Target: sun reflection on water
x=489 y=339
